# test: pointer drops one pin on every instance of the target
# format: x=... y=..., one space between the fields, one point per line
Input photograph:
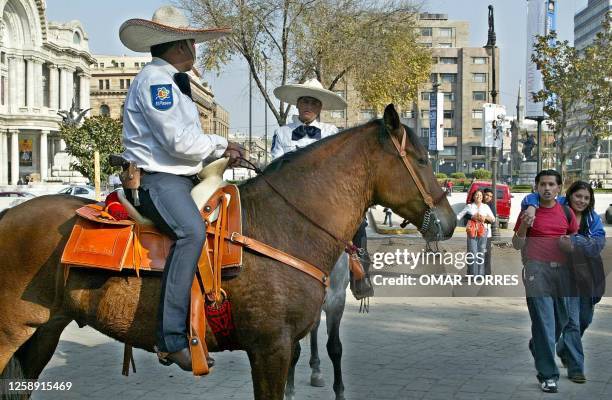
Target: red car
x=504 y=200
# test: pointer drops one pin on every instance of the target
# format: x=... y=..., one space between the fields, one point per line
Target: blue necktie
x=312 y=131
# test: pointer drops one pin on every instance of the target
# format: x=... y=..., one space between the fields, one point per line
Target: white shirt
x=482 y=209
x=161 y=125
x=282 y=143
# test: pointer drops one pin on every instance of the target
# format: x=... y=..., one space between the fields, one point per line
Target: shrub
x=441 y=175
x=482 y=173
x=458 y=175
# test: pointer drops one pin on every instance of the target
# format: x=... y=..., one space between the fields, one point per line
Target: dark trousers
x=487 y=262
x=166 y=200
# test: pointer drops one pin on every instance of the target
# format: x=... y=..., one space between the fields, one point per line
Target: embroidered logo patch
x=161 y=97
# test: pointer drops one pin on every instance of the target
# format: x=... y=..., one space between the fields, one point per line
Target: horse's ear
x=391 y=118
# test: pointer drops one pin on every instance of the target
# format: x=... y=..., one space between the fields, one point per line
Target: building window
x=449 y=151
x=479 y=96
x=122 y=65
x=479 y=78
x=76 y=88
x=136 y=65
x=445 y=32
x=445 y=45
x=424 y=132
x=76 y=38
x=101 y=84
x=337 y=114
x=479 y=60
x=449 y=114
x=425 y=95
x=424 y=113
x=105 y=110
x=479 y=151
x=127 y=83
x=449 y=132
x=426 y=31
x=101 y=65
x=449 y=96
x=448 y=60
x=408 y=114
x=142 y=64
x=367 y=114
x=448 y=78
x=477 y=114
x=477 y=132
x=107 y=84
x=433 y=78
x=1 y=90
x=121 y=84
x=46 y=87
x=2 y=57
x=425 y=44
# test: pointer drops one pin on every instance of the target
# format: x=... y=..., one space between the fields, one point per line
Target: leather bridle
x=430 y=219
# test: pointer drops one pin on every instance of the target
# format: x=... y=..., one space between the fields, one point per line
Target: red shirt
x=543 y=237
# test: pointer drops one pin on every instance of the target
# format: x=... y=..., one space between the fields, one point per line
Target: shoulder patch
x=161 y=97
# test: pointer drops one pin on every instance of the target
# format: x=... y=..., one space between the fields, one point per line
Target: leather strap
x=279 y=255
x=401 y=149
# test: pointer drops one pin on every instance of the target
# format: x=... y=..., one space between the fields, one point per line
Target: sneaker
x=578 y=378
x=549 y=386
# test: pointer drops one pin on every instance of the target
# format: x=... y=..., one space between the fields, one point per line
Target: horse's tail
x=12 y=372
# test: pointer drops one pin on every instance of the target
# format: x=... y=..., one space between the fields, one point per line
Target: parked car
x=11 y=199
x=609 y=214
x=85 y=191
x=504 y=200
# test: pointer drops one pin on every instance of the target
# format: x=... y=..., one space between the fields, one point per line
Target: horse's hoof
x=316 y=380
x=340 y=397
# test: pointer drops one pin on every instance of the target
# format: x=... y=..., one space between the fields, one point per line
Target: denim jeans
x=551 y=310
x=569 y=341
x=474 y=246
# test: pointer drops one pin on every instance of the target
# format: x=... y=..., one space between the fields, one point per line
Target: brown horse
x=333 y=182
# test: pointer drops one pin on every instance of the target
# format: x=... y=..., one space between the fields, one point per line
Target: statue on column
x=74 y=116
x=528 y=145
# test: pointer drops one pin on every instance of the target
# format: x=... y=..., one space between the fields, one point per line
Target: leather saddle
x=100 y=241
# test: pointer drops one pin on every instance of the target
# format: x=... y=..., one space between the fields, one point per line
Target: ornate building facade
x=44 y=67
x=112 y=76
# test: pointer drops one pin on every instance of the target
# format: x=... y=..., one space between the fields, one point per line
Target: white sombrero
x=311 y=88
x=167 y=25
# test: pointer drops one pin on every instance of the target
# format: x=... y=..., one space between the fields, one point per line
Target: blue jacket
x=593 y=243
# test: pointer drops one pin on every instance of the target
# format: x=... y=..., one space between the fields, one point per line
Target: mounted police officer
x=310 y=98
x=162 y=135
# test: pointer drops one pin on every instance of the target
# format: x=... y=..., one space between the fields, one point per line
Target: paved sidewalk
x=407 y=348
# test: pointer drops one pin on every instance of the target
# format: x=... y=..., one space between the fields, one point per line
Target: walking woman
x=477 y=231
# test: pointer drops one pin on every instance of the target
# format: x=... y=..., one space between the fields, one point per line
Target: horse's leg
x=290 y=388
x=334 y=346
x=269 y=369
x=38 y=350
x=334 y=308
x=316 y=378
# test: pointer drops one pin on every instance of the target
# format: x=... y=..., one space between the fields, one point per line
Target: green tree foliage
x=482 y=173
x=577 y=94
x=458 y=175
x=371 y=43
x=99 y=133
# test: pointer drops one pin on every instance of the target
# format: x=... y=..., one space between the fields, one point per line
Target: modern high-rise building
x=587 y=22
x=464 y=75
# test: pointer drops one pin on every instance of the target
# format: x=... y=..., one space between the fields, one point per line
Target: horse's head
x=405 y=181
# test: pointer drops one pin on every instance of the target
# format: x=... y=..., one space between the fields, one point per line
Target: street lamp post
x=491 y=40
x=265 y=57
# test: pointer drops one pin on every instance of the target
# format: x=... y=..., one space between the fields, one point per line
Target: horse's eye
x=422 y=161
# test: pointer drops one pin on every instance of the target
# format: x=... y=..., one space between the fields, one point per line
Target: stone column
x=84 y=95
x=30 y=83
x=20 y=82
x=62 y=88
x=3 y=158
x=44 y=160
x=12 y=86
x=69 y=88
x=14 y=156
x=38 y=83
x=53 y=86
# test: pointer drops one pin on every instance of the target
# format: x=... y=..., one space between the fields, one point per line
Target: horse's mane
x=3 y=212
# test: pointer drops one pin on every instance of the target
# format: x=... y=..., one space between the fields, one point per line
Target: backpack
x=475 y=229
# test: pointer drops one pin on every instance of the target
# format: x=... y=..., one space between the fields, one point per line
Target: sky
x=101 y=21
